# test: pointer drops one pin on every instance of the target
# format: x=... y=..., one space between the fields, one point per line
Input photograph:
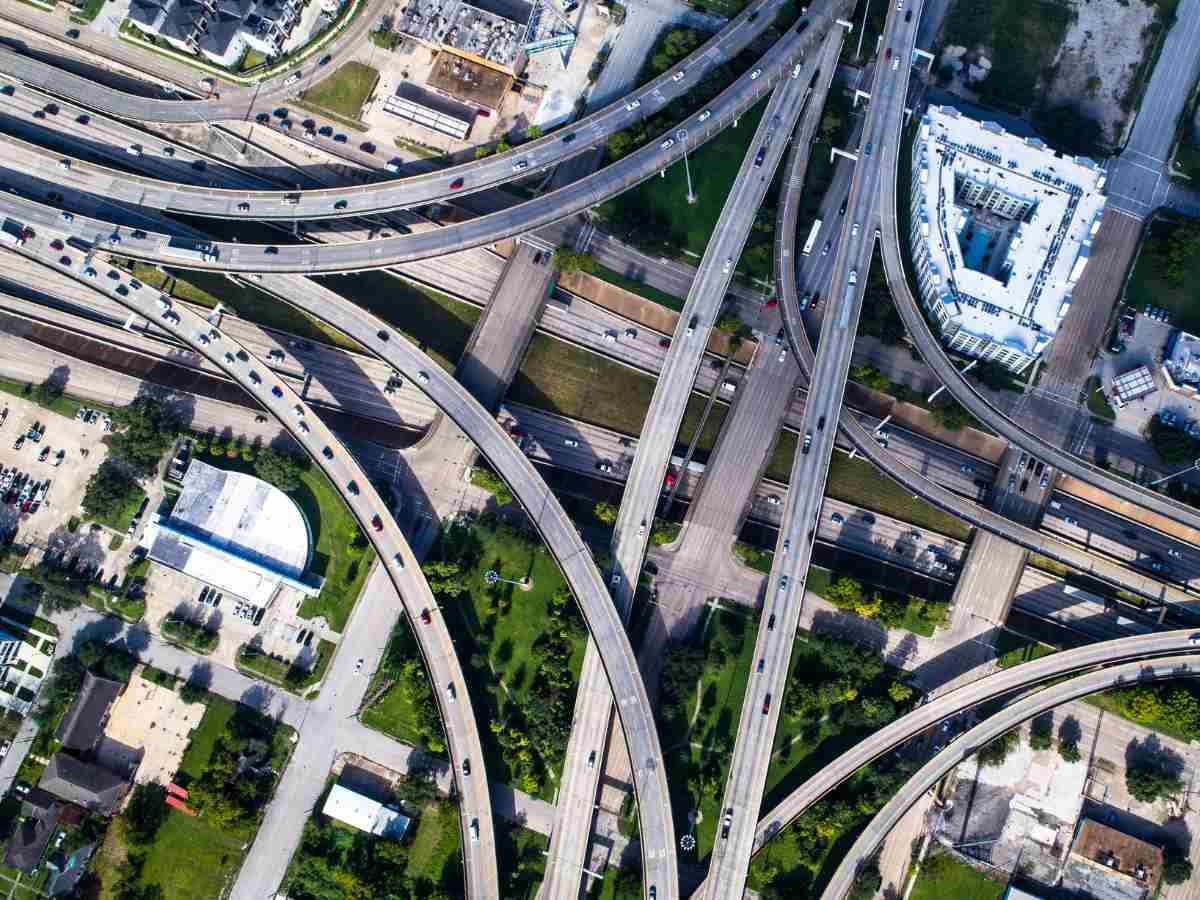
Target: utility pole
x=682 y=135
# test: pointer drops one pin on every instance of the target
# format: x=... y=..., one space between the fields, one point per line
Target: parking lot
x=1145 y=347
x=172 y=593
x=82 y=453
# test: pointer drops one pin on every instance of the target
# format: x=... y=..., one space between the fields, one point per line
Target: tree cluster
x=110 y=489
x=1173 y=705
x=238 y=780
x=1172 y=445
x=142 y=432
x=337 y=864
x=842 y=681
x=535 y=735
x=1149 y=779
x=284 y=470
x=196 y=636
x=996 y=751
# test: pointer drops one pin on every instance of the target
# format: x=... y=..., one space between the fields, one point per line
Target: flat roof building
x=1181 y=363
x=1001 y=233
x=492 y=32
x=1108 y=864
x=235 y=532
x=363 y=813
x=1133 y=385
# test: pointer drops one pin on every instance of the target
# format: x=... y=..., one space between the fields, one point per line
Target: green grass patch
x=1024 y=36
x=437 y=843
x=714 y=167
x=345 y=91
x=89 y=10
x=252 y=661
x=204 y=739
x=1161 y=278
x=435 y=322
x=943 y=876
x=857 y=481
x=252 y=60
x=756 y=558
x=521 y=858
x=393 y=709
x=191 y=859
x=561 y=378
x=63 y=405
x=502 y=633
x=1097 y=403
x=1013 y=649
x=639 y=287
x=705 y=711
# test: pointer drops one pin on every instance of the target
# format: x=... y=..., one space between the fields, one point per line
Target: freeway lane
x=312 y=259
x=672 y=391
x=278 y=398
x=785 y=587
x=968 y=743
x=395 y=193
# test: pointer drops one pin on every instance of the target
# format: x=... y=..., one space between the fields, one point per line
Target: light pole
x=682 y=135
x=491 y=576
x=1195 y=465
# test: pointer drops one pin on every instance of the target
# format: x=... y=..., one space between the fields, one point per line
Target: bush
x=280 y=469
x=1148 y=780
x=567 y=260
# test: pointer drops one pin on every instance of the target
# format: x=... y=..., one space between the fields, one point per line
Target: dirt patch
x=1099 y=60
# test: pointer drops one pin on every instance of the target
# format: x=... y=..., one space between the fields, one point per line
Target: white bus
x=812 y=237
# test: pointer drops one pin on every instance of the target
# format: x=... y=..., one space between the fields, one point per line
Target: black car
x=51 y=109
x=73 y=34
x=262 y=118
x=326 y=58
x=382 y=335
x=771 y=624
x=368 y=147
x=567 y=138
x=83 y=119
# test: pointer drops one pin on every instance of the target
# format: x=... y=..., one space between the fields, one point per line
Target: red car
x=766 y=704
x=888 y=55
x=426 y=617
x=56 y=244
x=671 y=479
x=456 y=184
x=772 y=303
x=377 y=523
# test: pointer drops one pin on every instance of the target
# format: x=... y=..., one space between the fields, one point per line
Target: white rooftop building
x=1181 y=363
x=235 y=532
x=1001 y=231
x=363 y=813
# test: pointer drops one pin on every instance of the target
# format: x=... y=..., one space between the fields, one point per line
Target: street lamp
x=1195 y=465
x=491 y=576
x=682 y=135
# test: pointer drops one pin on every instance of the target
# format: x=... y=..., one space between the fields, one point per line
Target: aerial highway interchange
x=792 y=77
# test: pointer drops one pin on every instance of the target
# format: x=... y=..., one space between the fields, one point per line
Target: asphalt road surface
x=396 y=193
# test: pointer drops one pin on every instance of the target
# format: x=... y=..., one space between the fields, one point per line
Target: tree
x=146 y=812
x=1148 y=780
x=192 y=693
x=568 y=260
x=605 y=512
x=1069 y=751
x=1041 y=733
x=143 y=432
x=446 y=578
x=996 y=751
x=280 y=469
x=533 y=132
x=867 y=882
x=1143 y=705
x=900 y=692
x=110 y=489
x=48 y=391
x=1177 y=868
x=1171 y=444
x=844 y=592
x=951 y=416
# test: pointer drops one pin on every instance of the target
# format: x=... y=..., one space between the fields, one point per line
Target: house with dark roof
x=83 y=725
x=39 y=818
x=84 y=783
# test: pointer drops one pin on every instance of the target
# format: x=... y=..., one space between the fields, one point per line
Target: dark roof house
x=83 y=725
x=39 y=818
x=86 y=784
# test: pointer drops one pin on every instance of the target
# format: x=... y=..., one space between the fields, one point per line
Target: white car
x=570 y=442
x=705 y=116
x=423 y=377
x=796 y=70
x=678 y=76
x=728 y=267
x=854 y=230
x=667 y=144
x=854 y=276
x=632 y=105
x=754 y=75
x=451 y=694
x=292 y=79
